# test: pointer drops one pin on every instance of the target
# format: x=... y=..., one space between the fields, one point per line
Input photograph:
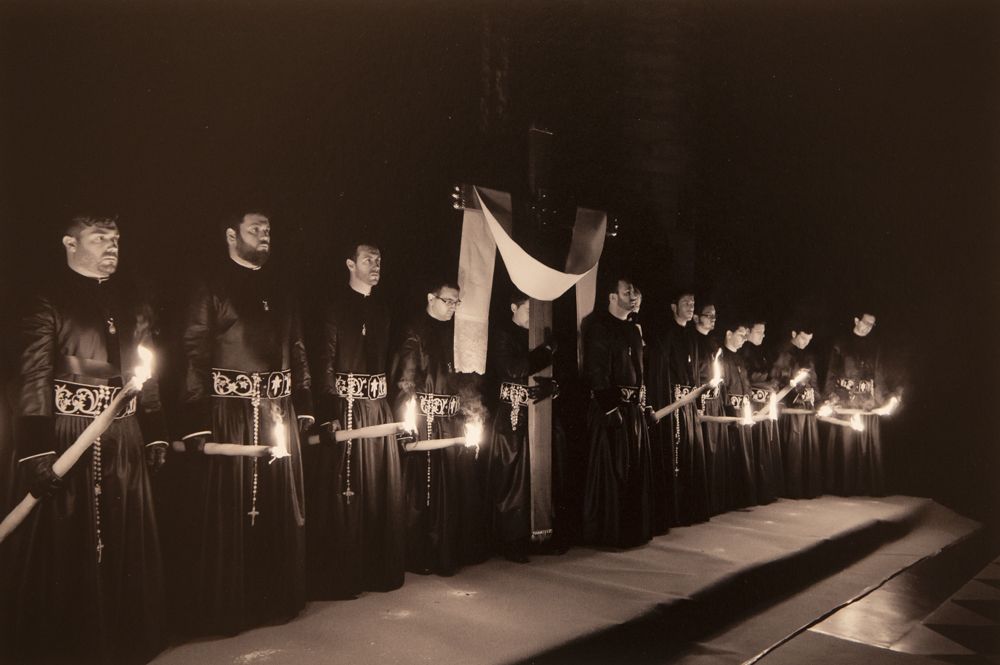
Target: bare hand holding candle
x=87 y=437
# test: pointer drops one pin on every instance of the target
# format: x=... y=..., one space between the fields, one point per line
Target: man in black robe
x=670 y=377
x=618 y=502
x=444 y=504
x=246 y=379
x=855 y=385
x=715 y=436
x=354 y=489
x=736 y=395
x=87 y=574
x=800 y=442
x=766 y=439
x=510 y=363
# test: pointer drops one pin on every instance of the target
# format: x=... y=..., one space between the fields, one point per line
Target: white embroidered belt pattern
x=515 y=394
x=361 y=386
x=438 y=406
x=736 y=401
x=633 y=394
x=87 y=401
x=857 y=386
x=760 y=395
x=250 y=385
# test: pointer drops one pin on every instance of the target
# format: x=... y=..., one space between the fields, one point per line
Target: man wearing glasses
x=443 y=505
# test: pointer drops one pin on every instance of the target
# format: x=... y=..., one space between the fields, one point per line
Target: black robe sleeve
x=301 y=378
x=597 y=366
x=195 y=402
x=405 y=368
x=151 y=419
x=38 y=336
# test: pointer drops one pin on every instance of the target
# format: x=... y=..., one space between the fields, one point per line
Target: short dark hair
x=611 y=284
x=234 y=219
x=82 y=221
x=732 y=324
x=352 y=250
x=676 y=293
x=435 y=286
x=757 y=321
x=518 y=297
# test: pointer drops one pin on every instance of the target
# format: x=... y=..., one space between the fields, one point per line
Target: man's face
x=756 y=334
x=706 y=318
x=94 y=251
x=442 y=305
x=735 y=339
x=366 y=266
x=521 y=314
x=252 y=241
x=864 y=325
x=801 y=339
x=624 y=298
x=683 y=309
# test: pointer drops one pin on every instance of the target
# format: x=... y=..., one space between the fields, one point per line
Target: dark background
x=785 y=157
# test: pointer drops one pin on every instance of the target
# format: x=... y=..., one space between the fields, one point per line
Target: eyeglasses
x=449 y=302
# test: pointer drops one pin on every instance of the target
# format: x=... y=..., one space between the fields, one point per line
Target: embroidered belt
x=681 y=391
x=87 y=401
x=760 y=395
x=857 y=386
x=515 y=394
x=737 y=401
x=438 y=406
x=361 y=386
x=805 y=397
x=251 y=385
x=633 y=394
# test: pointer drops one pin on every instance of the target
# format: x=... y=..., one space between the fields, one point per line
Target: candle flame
x=857 y=424
x=773 y=407
x=280 y=448
x=825 y=411
x=799 y=377
x=716 y=369
x=888 y=407
x=473 y=433
x=410 y=415
x=144 y=369
x=747 y=413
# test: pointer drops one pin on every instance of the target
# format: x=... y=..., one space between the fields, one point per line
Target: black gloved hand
x=42 y=480
x=195 y=444
x=306 y=424
x=156 y=456
x=650 y=416
x=405 y=438
x=614 y=418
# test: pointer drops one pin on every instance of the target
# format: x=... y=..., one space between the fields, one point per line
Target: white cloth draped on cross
x=487 y=228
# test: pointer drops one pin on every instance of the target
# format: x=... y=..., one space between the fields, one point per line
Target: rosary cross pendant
x=348 y=493
x=253 y=516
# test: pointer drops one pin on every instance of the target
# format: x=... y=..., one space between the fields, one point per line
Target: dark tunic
x=618 y=502
x=69 y=606
x=715 y=436
x=508 y=483
x=800 y=443
x=247 y=570
x=766 y=433
x=357 y=544
x=684 y=470
x=443 y=497
x=854 y=380
x=742 y=461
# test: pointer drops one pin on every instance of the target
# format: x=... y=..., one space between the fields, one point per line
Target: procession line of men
x=299 y=509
